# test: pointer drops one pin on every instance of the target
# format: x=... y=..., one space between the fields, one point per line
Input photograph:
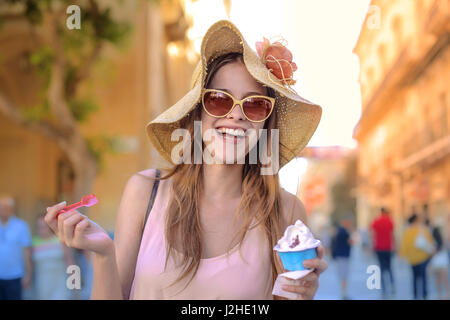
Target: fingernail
x=306 y=264
x=64 y=202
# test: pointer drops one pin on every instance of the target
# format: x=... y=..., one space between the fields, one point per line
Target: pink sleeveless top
x=221 y=277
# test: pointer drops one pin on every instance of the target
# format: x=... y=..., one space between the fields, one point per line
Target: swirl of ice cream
x=297 y=237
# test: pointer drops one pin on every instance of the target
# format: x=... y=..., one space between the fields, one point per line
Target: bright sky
x=321 y=35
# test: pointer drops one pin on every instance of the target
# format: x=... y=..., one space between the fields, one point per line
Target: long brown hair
x=182 y=223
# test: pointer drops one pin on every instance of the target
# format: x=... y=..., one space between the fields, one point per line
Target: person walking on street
x=427 y=222
x=383 y=240
x=439 y=264
x=341 y=253
x=15 y=252
x=417 y=247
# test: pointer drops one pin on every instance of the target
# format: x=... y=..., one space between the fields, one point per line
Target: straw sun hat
x=297 y=118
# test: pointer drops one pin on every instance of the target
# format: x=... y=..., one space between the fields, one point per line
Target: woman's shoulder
x=136 y=196
x=286 y=197
x=141 y=183
x=145 y=178
x=292 y=207
x=147 y=174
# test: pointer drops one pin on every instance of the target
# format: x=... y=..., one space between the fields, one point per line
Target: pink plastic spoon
x=86 y=201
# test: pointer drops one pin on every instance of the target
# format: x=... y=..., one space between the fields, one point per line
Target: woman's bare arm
x=129 y=223
x=75 y=230
x=106 y=284
x=114 y=261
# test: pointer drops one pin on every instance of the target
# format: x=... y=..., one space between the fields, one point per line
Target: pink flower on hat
x=278 y=59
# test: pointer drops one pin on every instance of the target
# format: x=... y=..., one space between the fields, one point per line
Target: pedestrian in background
x=84 y=261
x=439 y=264
x=427 y=222
x=341 y=253
x=51 y=259
x=326 y=235
x=417 y=247
x=383 y=244
x=15 y=252
x=365 y=240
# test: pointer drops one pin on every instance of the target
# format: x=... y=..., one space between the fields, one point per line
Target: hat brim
x=297 y=118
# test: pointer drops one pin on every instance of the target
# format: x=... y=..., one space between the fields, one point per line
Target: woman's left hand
x=307 y=286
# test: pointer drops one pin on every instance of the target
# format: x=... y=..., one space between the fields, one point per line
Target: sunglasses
x=218 y=103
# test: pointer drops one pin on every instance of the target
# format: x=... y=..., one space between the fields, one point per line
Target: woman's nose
x=236 y=113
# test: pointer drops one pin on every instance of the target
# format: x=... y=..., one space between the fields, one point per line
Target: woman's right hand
x=76 y=230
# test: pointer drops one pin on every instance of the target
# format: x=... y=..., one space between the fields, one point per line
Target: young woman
x=439 y=264
x=417 y=254
x=213 y=225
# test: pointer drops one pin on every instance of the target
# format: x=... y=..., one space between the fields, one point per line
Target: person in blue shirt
x=341 y=248
x=15 y=252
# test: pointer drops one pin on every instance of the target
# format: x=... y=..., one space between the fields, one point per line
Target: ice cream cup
x=293 y=260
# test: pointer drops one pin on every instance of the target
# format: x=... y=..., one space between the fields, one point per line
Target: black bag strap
x=152 y=198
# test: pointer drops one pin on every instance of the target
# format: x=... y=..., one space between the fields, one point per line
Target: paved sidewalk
x=329 y=287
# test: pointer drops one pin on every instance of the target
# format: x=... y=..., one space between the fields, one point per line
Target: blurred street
x=329 y=288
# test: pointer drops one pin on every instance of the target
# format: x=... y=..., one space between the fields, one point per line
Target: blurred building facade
x=403 y=134
x=327 y=172
x=133 y=86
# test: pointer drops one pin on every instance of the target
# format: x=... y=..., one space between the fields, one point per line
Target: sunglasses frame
x=239 y=102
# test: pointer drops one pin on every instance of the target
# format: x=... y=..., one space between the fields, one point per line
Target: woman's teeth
x=233 y=132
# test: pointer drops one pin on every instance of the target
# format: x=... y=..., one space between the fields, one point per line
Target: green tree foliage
x=81 y=49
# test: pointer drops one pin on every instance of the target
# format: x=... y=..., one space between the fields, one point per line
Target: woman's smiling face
x=233 y=78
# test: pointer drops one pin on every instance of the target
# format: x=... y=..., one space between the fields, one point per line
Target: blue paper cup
x=293 y=260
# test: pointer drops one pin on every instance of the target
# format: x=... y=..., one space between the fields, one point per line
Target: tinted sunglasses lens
x=217 y=103
x=257 y=109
